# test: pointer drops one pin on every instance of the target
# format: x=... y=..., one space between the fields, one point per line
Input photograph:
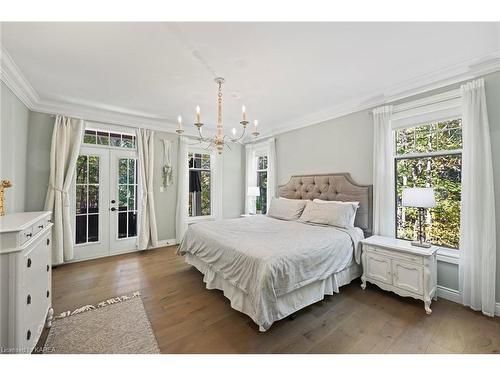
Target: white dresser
x=25 y=279
x=397 y=266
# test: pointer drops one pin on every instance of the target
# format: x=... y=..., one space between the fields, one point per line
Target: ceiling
x=287 y=74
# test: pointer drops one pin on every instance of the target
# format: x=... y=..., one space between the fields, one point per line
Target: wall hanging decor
x=4 y=184
x=167 y=174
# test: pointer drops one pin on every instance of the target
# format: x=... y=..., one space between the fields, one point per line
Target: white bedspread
x=267 y=258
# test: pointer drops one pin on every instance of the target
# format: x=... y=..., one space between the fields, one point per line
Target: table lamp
x=421 y=198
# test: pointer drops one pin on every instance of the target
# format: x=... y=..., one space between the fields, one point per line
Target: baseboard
x=169 y=242
x=455 y=296
x=449 y=294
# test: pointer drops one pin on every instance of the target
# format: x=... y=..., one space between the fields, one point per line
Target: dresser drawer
x=35 y=264
x=394 y=254
x=26 y=235
x=378 y=268
x=37 y=227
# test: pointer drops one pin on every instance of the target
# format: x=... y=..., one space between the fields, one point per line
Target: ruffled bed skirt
x=286 y=304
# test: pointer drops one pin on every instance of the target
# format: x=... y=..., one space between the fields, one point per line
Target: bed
x=270 y=268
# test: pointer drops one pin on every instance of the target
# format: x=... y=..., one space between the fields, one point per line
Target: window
x=261 y=202
x=430 y=155
x=200 y=184
x=106 y=138
x=87 y=199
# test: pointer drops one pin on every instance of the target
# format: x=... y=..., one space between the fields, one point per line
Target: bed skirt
x=286 y=304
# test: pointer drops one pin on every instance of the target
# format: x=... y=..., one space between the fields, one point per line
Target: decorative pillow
x=286 y=209
x=334 y=213
x=354 y=204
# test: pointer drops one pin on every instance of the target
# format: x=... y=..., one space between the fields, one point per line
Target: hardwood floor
x=187 y=318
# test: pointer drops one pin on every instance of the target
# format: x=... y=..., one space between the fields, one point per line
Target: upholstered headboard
x=333 y=187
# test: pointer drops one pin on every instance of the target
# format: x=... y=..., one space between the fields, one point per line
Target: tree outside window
x=430 y=155
x=261 y=203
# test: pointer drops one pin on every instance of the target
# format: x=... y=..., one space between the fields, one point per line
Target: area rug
x=116 y=326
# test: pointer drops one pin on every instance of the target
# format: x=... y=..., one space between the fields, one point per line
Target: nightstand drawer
x=408 y=277
x=394 y=254
x=378 y=268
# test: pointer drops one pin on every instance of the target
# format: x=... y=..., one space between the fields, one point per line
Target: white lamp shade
x=419 y=197
x=253 y=191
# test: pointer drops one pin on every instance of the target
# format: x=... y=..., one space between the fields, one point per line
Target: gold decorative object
x=4 y=184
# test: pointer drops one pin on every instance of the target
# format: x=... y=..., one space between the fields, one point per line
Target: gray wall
x=345 y=144
x=38 y=159
x=13 y=141
x=36 y=170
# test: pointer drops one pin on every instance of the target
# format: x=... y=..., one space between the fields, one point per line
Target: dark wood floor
x=187 y=318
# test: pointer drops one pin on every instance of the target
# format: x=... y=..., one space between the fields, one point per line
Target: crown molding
x=454 y=74
x=15 y=80
x=20 y=86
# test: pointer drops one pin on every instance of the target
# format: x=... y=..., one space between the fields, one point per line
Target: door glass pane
x=81 y=229
x=93 y=169
x=115 y=140
x=122 y=171
x=93 y=206
x=122 y=198
x=122 y=225
x=131 y=171
x=131 y=197
x=89 y=137
x=127 y=141
x=81 y=199
x=103 y=138
x=81 y=169
x=132 y=224
x=93 y=228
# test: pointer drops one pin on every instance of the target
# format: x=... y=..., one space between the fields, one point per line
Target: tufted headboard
x=333 y=187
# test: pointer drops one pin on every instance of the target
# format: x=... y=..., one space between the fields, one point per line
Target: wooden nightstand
x=397 y=266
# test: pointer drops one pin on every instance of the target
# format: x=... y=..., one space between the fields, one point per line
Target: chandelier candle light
x=219 y=140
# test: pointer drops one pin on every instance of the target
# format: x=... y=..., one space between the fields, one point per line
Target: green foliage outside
x=442 y=172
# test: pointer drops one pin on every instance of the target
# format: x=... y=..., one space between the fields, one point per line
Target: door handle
x=113 y=208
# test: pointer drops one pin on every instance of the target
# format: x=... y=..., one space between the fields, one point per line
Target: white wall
x=13 y=141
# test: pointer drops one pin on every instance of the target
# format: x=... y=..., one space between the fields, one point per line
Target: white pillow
x=286 y=209
x=354 y=204
x=334 y=213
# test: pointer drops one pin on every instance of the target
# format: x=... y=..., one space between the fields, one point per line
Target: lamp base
x=421 y=244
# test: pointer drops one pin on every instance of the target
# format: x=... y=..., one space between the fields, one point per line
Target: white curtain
x=383 y=173
x=250 y=177
x=66 y=140
x=181 y=215
x=271 y=171
x=477 y=217
x=148 y=236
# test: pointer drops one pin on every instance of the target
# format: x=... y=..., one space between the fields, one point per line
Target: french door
x=105 y=205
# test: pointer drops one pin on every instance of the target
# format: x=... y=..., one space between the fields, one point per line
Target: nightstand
x=397 y=266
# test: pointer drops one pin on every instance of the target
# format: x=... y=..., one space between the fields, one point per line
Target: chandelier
x=219 y=140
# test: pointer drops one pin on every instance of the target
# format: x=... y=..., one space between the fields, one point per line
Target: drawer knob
x=40 y=226
x=28 y=300
x=28 y=234
x=48 y=268
x=48 y=294
x=29 y=263
x=28 y=335
x=48 y=241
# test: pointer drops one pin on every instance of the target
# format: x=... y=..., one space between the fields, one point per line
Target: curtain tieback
x=65 y=194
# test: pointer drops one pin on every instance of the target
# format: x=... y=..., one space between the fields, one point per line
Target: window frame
x=262 y=154
x=197 y=150
x=447 y=254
